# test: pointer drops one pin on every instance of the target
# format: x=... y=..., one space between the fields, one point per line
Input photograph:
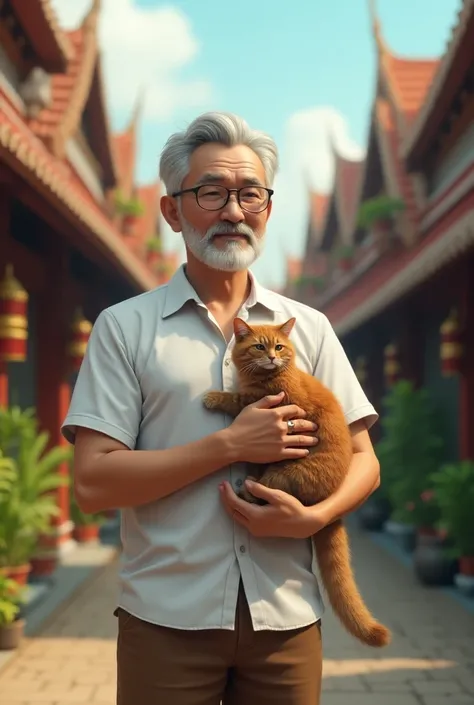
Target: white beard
x=234 y=256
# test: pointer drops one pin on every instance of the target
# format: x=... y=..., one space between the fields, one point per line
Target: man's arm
x=362 y=479
x=107 y=474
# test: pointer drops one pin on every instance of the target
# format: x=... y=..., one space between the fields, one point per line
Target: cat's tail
x=333 y=554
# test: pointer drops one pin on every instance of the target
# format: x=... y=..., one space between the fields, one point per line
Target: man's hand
x=283 y=516
x=259 y=434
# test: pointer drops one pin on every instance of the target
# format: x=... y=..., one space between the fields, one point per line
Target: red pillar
x=466 y=382
x=54 y=392
x=4 y=242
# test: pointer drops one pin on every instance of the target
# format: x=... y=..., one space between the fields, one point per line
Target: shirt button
x=242 y=549
x=227 y=362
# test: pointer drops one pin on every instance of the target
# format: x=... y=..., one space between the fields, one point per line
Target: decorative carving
x=13 y=319
x=451 y=348
x=36 y=91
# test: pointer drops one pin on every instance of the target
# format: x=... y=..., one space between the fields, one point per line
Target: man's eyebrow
x=212 y=177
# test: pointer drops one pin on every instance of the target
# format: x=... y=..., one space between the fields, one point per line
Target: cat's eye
x=278 y=347
x=259 y=346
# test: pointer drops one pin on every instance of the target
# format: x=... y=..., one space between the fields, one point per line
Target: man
x=218 y=598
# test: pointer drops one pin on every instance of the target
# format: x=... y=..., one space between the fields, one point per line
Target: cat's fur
x=310 y=479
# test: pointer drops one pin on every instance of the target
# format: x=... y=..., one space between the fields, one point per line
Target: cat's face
x=262 y=350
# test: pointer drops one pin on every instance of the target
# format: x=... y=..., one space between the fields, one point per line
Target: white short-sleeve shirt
x=149 y=361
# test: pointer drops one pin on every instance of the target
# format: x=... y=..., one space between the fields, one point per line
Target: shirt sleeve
x=335 y=371
x=107 y=395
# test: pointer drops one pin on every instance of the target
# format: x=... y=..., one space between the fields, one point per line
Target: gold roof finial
x=377 y=27
x=91 y=18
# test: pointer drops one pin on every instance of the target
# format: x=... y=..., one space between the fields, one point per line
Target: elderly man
x=218 y=599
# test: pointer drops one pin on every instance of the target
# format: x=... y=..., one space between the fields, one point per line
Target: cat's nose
x=271 y=358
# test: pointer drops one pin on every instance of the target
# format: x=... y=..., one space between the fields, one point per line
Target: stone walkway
x=431 y=661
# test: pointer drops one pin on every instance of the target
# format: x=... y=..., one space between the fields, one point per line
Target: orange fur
x=310 y=479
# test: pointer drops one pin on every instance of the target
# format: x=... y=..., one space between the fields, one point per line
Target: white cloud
x=144 y=48
x=306 y=164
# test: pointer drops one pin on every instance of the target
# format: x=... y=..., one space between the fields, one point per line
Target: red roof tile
x=410 y=80
x=318 y=205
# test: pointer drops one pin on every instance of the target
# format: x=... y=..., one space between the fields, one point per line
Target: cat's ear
x=241 y=329
x=287 y=327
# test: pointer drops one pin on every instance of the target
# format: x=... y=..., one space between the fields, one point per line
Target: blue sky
x=294 y=69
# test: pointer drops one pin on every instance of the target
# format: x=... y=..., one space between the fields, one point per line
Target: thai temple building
x=389 y=255
x=77 y=233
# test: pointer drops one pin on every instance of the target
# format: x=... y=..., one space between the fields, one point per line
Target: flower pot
x=431 y=563
x=465 y=584
x=373 y=514
x=19 y=573
x=42 y=566
x=128 y=223
x=464 y=580
x=86 y=533
x=11 y=635
x=466 y=565
x=403 y=534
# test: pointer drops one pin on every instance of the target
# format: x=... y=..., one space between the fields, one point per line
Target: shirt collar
x=179 y=291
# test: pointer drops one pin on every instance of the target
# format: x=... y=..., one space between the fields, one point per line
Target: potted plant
x=411 y=445
x=344 y=256
x=11 y=624
x=86 y=526
x=454 y=490
x=27 y=505
x=129 y=208
x=319 y=282
x=153 y=251
x=377 y=214
x=431 y=561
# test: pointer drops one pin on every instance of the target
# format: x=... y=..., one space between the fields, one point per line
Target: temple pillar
x=466 y=386
x=4 y=242
x=54 y=312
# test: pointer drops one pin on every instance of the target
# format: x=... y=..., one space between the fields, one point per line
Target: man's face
x=231 y=237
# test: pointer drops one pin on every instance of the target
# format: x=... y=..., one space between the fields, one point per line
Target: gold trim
x=8 y=320
x=13 y=334
x=72 y=115
x=13 y=357
x=451 y=351
x=77 y=349
x=391 y=368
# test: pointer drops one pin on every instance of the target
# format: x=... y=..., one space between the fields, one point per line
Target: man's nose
x=232 y=211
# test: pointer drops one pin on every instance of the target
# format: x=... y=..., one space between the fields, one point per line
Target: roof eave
x=40 y=24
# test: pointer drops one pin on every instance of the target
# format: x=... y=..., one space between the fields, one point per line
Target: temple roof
x=456 y=61
x=40 y=24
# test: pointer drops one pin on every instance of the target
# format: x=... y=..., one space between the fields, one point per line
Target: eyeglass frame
x=195 y=190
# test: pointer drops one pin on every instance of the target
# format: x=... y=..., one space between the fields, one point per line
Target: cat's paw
x=212 y=400
x=248 y=496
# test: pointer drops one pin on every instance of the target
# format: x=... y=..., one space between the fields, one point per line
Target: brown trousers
x=163 y=666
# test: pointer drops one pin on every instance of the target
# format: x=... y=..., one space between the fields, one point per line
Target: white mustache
x=230 y=229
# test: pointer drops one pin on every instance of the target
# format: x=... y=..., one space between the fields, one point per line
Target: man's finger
x=234 y=503
x=268 y=401
x=262 y=492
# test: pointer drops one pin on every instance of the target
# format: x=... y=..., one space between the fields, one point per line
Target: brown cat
x=265 y=361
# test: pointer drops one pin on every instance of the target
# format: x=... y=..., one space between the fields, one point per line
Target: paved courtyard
x=431 y=661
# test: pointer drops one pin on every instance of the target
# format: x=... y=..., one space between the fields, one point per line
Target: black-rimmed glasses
x=212 y=197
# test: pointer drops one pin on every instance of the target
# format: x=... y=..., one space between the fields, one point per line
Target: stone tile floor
x=431 y=660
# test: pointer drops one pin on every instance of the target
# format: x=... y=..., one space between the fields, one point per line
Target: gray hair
x=224 y=128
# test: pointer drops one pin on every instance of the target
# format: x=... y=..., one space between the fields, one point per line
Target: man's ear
x=169 y=209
